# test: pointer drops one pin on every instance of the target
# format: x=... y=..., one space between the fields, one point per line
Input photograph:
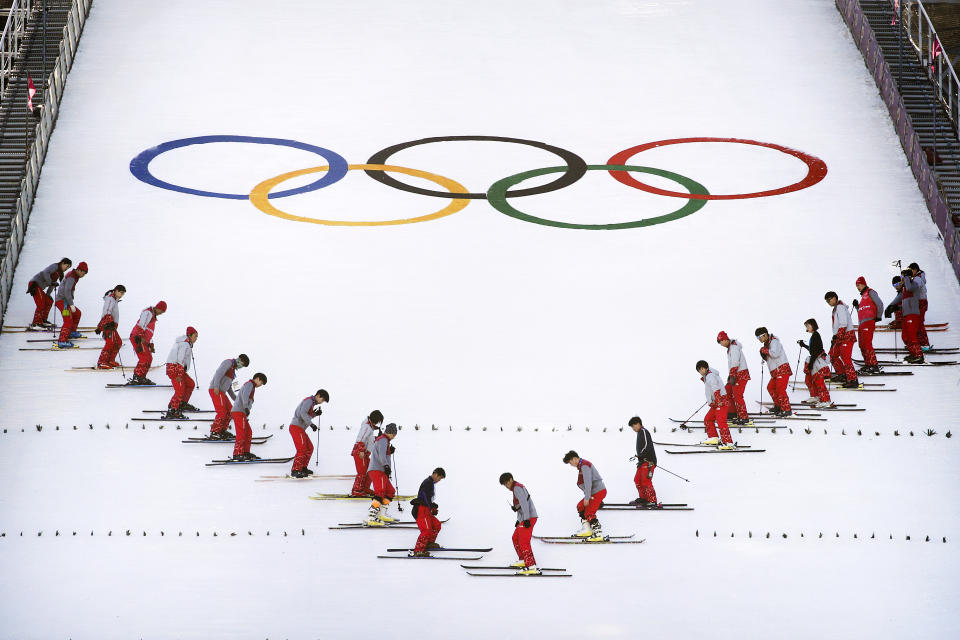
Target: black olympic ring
x=576 y=167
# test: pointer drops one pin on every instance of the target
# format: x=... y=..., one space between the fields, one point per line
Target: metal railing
x=916 y=22
x=51 y=108
x=13 y=32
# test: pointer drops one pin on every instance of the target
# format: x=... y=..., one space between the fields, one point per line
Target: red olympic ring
x=816 y=170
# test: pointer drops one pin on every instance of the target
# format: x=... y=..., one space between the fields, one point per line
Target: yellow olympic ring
x=260 y=194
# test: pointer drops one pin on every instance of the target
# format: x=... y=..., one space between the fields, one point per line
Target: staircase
x=927 y=114
x=17 y=126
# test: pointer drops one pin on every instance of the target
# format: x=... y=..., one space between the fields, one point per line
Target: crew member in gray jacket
x=220 y=385
x=594 y=491
x=307 y=410
x=240 y=412
x=523 y=529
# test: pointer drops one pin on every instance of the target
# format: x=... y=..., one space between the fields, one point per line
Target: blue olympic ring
x=140 y=165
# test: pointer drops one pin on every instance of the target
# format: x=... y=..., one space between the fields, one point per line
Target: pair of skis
x=664 y=506
x=223 y=463
x=209 y=440
x=335 y=476
x=399 y=524
x=349 y=496
x=898 y=363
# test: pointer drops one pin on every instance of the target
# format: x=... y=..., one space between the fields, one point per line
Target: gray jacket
x=841 y=318
x=523 y=503
x=379 y=457
x=223 y=377
x=111 y=308
x=776 y=357
x=736 y=361
x=66 y=288
x=181 y=353
x=712 y=384
x=304 y=413
x=589 y=479
x=367 y=434
x=244 y=401
x=910 y=301
x=45 y=279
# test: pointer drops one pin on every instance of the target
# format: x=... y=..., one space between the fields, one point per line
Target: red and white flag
x=935 y=51
x=896 y=12
x=31 y=91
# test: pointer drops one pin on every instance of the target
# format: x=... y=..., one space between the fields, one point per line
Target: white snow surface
x=538 y=339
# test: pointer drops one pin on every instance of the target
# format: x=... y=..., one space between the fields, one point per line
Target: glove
x=730 y=381
x=31 y=288
x=764 y=353
x=526 y=523
x=856 y=304
x=391 y=449
x=833 y=341
x=515 y=507
x=434 y=509
x=516 y=524
x=137 y=340
x=387 y=469
x=110 y=326
x=153 y=349
x=650 y=472
x=877 y=319
x=313 y=426
x=97 y=331
x=246 y=412
x=318 y=411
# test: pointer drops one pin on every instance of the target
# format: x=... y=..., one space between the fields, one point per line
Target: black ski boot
x=186 y=406
x=306 y=472
x=851 y=384
x=240 y=457
x=785 y=413
x=249 y=456
x=298 y=473
x=174 y=414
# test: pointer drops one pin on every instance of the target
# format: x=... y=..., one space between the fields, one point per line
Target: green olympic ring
x=497 y=197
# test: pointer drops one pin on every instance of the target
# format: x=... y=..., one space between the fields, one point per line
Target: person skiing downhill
x=776 y=358
x=141 y=336
x=369 y=429
x=240 y=412
x=816 y=368
x=64 y=301
x=222 y=395
x=523 y=528
x=308 y=409
x=178 y=363
x=646 y=463
x=425 y=511
x=738 y=374
x=841 y=345
x=40 y=287
x=109 y=320
x=379 y=472
x=869 y=307
x=717 y=413
x=594 y=491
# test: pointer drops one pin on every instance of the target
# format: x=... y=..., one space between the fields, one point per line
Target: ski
x=897 y=363
x=221 y=463
x=519 y=575
x=799 y=413
x=770 y=404
x=136 y=419
x=388 y=524
x=432 y=557
x=98 y=370
x=184 y=410
x=313 y=477
x=688 y=444
x=627 y=504
x=931 y=351
x=56 y=348
x=56 y=340
x=738 y=450
x=573 y=537
x=606 y=540
x=375 y=527
x=254 y=440
x=478 y=566
x=632 y=508
x=347 y=496
x=700 y=422
x=476 y=549
x=139 y=386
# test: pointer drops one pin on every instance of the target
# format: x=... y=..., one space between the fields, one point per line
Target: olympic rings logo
x=574 y=168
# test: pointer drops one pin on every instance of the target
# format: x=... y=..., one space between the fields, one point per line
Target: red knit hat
x=191 y=331
x=862 y=280
x=83 y=267
x=160 y=306
x=722 y=336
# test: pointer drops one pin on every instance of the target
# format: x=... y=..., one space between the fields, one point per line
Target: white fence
x=38 y=151
x=13 y=33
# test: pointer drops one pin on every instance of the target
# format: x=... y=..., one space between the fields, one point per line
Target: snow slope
x=475 y=319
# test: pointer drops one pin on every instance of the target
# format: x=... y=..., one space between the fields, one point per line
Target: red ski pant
x=735 y=394
x=717 y=415
x=521 y=542
x=44 y=304
x=304 y=447
x=590 y=511
x=817 y=382
x=777 y=387
x=922 y=329
x=182 y=385
x=383 y=491
x=144 y=359
x=111 y=347
x=865 y=337
x=361 y=460
x=429 y=527
x=221 y=404
x=841 y=353
x=644 y=482
x=244 y=433
x=71 y=320
x=910 y=332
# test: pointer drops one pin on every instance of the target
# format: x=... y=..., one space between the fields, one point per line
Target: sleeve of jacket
x=425 y=494
x=523 y=501
x=304 y=412
x=378 y=456
x=776 y=349
x=816 y=347
x=587 y=480
x=877 y=302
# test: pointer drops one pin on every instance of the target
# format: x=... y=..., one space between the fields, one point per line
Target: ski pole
x=693 y=414
x=761 y=388
x=122 y=371
x=671 y=473
x=796 y=373
x=396 y=478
